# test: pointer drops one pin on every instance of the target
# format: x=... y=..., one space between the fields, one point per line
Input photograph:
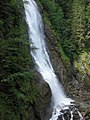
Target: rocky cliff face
x=24 y=95
x=73 y=88
x=40 y=109
x=76 y=84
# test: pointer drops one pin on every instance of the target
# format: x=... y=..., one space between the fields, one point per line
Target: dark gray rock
x=74 y=88
x=41 y=110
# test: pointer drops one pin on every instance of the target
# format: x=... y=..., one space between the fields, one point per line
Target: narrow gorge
x=44 y=60
x=61 y=104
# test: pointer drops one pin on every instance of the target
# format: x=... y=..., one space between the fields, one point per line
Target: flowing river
x=60 y=101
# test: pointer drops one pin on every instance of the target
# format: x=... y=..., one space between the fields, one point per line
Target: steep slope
x=66 y=27
x=23 y=93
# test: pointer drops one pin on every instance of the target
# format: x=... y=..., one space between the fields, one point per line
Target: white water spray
x=40 y=55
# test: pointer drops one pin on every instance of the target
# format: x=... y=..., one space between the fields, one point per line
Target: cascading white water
x=40 y=55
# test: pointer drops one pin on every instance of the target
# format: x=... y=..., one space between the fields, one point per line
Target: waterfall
x=40 y=55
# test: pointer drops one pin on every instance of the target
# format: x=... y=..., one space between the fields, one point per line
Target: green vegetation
x=70 y=21
x=17 y=82
x=54 y=17
x=87 y=24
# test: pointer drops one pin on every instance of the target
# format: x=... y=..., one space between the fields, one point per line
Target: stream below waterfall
x=61 y=103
